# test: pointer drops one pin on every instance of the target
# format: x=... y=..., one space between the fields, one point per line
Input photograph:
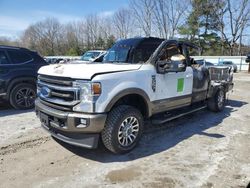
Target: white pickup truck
x=140 y=79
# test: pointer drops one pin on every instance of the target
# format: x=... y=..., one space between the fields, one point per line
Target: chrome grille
x=61 y=92
x=56 y=80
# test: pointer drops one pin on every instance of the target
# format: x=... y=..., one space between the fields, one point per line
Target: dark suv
x=18 y=72
x=248 y=58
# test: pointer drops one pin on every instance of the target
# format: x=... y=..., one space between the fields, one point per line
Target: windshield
x=116 y=54
x=89 y=55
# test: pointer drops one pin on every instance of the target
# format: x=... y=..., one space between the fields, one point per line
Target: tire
x=217 y=102
x=23 y=96
x=123 y=123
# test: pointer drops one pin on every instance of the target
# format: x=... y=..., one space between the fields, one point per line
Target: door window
x=18 y=57
x=3 y=58
x=168 y=52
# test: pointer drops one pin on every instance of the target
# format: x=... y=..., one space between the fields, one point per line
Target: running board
x=161 y=120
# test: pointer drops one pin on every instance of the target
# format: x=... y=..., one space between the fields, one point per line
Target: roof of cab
x=136 y=41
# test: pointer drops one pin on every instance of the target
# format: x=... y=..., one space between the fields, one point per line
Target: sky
x=17 y=15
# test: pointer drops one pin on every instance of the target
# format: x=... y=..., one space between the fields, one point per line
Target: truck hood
x=85 y=71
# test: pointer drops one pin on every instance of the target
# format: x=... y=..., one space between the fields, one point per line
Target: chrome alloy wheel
x=221 y=98
x=128 y=131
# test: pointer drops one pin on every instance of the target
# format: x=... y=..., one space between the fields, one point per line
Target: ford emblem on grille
x=46 y=92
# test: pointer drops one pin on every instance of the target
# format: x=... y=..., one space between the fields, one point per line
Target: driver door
x=174 y=80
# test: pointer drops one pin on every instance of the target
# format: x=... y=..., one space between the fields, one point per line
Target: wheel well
x=136 y=101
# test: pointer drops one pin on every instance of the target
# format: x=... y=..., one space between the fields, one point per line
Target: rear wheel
x=23 y=96
x=217 y=102
x=123 y=129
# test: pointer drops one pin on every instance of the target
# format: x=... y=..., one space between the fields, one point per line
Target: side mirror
x=170 y=66
x=99 y=59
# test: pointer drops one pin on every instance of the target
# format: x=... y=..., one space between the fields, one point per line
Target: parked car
x=61 y=59
x=248 y=61
x=228 y=64
x=92 y=55
x=18 y=72
x=248 y=58
x=139 y=79
x=54 y=60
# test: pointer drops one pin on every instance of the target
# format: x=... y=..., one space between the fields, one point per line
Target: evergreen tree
x=201 y=25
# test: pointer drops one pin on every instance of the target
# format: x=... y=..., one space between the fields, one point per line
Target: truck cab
x=138 y=80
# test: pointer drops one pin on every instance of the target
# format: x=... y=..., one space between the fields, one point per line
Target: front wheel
x=123 y=129
x=217 y=102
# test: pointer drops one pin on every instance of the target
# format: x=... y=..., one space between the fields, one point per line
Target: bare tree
x=161 y=18
x=49 y=31
x=45 y=36
x=220 y=14
x=7 y=41
x=106 y=27
x=143 y=13
x=98 y=31
x=234 y=17
x=169 y=15
x=123 y=22
x=72 y=38
x=49 y=37
x=81 y=29
x=177 y=13
x=92 y=30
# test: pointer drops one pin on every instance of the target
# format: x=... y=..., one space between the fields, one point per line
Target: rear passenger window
x=18 y=56
x=3 y=58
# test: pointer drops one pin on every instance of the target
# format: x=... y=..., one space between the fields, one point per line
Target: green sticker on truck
x=180 y=85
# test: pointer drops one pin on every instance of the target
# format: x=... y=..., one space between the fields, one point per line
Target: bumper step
x=89 y=141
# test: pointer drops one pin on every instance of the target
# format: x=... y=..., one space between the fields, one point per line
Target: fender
x=19 y=80
x=129 y=91
x=213 y=88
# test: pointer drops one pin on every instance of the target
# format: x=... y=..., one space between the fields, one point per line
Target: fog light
x=83 y=121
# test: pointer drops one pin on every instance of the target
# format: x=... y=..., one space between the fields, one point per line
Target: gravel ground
x=204 y=149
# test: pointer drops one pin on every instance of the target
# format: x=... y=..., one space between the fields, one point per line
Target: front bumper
x=74 y=128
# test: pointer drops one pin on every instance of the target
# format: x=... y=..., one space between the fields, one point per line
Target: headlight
x=85 y=89
x=89 y=92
